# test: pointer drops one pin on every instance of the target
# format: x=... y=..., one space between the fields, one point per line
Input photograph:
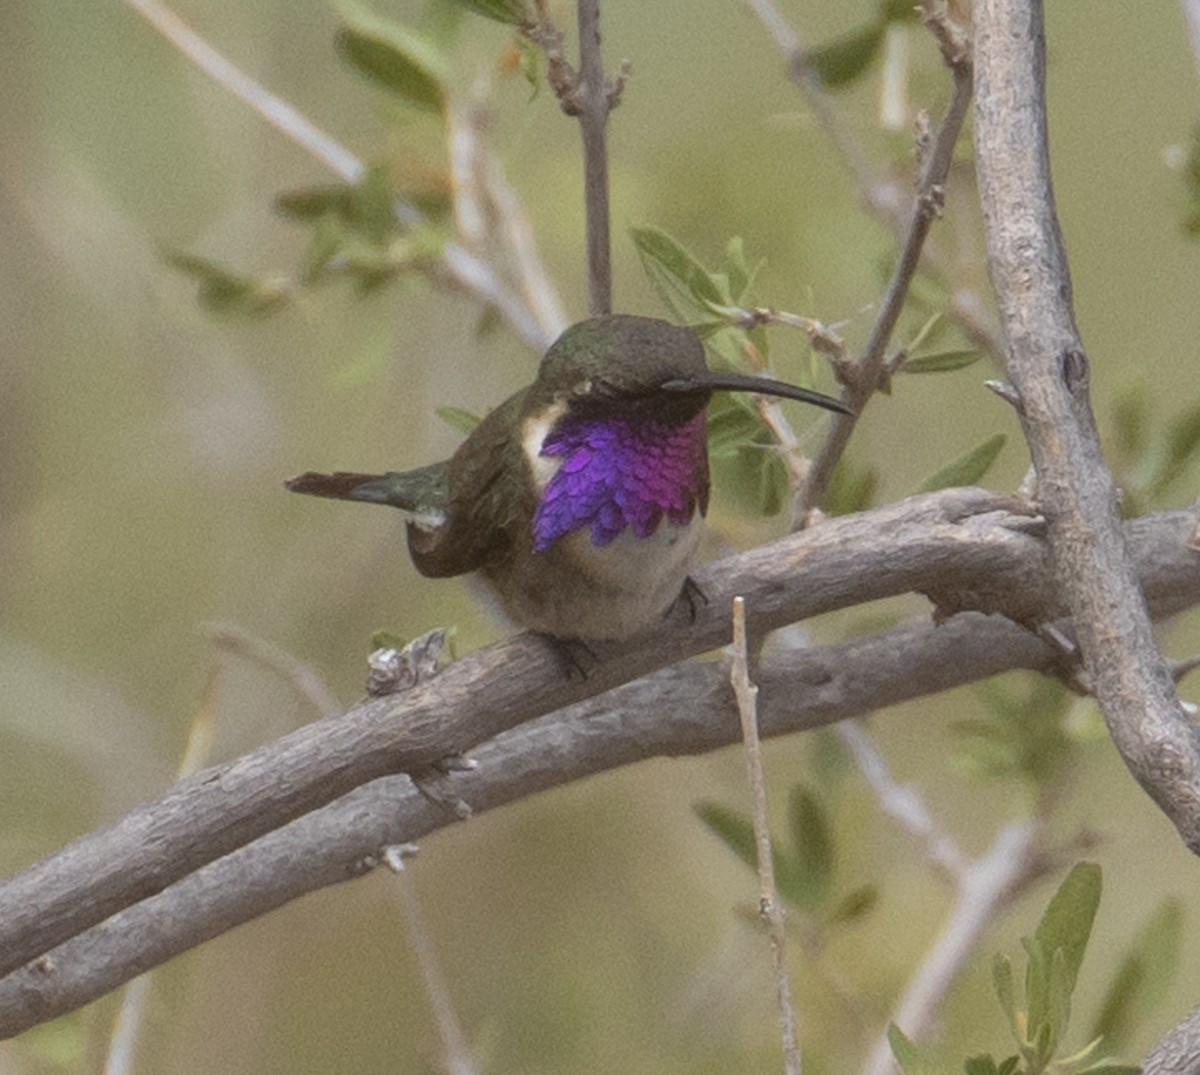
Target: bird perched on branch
x=579 y=499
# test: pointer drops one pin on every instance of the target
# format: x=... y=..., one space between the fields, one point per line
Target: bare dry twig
x=769 y=907
x=861 y=383
x=589 y=96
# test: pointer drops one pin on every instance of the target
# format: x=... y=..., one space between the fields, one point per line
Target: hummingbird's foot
x=692 y=596
x=573 y=655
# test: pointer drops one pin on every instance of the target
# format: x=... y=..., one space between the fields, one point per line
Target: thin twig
x=769 y=906
x=882 y=199
x=276 y=111
x=901 y=802
x=541 y=296
x=457 y=1055
x=867 y=375
x=592 y=102
x=985 y=886
x=301 y=677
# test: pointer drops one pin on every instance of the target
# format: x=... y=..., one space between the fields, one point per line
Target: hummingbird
x=580 y=498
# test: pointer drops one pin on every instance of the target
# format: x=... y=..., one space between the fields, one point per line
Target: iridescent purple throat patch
x=618 y=473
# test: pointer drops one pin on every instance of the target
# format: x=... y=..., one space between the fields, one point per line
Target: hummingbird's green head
x=618 y=358
x=622 y=362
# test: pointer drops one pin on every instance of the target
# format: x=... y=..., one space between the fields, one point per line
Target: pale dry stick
x=459 y=267
x=463 y=152
x=883 y=199
x=540 y=293
x=454 y=1043
x=985 y=886
x=130 y=1017
x=769 y=907
x=902 y=802
x=301 y=677
x=1049 y=369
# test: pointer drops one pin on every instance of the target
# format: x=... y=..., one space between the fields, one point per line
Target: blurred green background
x=145 y=442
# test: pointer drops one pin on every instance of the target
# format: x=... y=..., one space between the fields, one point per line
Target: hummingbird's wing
x=487 y=495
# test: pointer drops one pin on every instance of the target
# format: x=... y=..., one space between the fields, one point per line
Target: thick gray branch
x=680 y=710
x=1049 y=369
x=954 y=538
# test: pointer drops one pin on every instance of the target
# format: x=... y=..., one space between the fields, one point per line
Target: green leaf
x=911 y=1058
x=899 y=11
x=661 y=255
x=393 y=57
x=1058 y=995
x=385 y=639
x=1131 y=421
x=371 y=211
x=941 y=362
x=457 y=418
x=1006 y=993
x=926 y=331
x=227 y=293
x=311 y=203
x=1037 y=994
x=855 y=905
x=980 y=1065
x=1142 y=977
x=851 y=489
x=513 y=12
x=812 y=840
x=847 y=58
x=1008 y=1066
x=1067 y=922
x=967 y=469
x=733 y=828
x=1183 y=440
x=1107 y=1067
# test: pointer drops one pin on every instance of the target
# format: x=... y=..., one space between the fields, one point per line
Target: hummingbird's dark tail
x=421 y=493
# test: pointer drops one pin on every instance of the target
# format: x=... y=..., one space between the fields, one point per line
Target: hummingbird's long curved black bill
x=713 y=381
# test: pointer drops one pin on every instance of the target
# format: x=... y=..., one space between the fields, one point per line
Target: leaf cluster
x=844 y=60
x=1151 y=456
x=1038 y=1021
x=805 y=867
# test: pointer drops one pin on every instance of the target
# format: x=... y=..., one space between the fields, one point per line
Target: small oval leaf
x=512 y=12
x=664 y=252
x=968 y=469
x=393 y=57
x=847 y=58
x=941 y=362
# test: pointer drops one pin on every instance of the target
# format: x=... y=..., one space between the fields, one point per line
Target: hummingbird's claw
x=574 y=656
x=691 y=595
